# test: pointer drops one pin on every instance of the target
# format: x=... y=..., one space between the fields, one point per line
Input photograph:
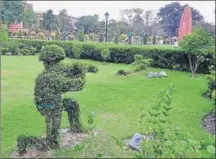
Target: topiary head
x=51 y=55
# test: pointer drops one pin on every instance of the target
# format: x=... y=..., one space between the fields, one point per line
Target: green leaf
x=211 y=149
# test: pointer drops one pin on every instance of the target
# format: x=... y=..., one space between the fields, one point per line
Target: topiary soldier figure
x=56 y=79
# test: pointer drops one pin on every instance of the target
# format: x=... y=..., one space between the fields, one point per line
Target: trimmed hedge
x=163 y=56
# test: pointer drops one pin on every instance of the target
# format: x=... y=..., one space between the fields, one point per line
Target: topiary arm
x=73 y=85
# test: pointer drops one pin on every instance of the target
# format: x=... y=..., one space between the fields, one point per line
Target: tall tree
x=50 y=21
x=89 y=23
x=11 y=11
x=65 y=23
x=170 y=16
x=29 y=18
x=197 y=45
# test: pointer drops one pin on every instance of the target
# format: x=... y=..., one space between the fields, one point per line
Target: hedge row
x=163 y=56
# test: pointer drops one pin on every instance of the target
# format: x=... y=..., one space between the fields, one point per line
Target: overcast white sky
x=79 y=8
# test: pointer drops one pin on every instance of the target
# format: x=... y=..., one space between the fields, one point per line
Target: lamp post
x=106 y=16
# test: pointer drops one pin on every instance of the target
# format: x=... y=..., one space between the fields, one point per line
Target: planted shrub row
x=163 y=56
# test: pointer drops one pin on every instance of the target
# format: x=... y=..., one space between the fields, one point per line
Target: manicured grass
x=116 y=100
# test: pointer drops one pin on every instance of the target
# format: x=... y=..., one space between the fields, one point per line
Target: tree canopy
x=170 y=16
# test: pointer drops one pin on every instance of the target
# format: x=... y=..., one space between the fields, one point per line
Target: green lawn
x=116 y=100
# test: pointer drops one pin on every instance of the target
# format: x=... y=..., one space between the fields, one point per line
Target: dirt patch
x=209 y=122
x=67 y=139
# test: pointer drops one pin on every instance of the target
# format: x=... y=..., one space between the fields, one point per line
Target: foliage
x=116 y=39
x=56 y=79
x=123 y=37
x=196 y=45
x=101 y=37
x=29 y=17
x=20 y=33
x=33 y=50
x=170 y=16
x=41 y=35
x=13 y=46
x=33 y=33
x=51 y=55
x=86 y=37
x=11 y=11
x=72 y=108
x=122 y=72
x=81 y=35
x=71 y=37
x=141 y=63
x=166 y=140
x=4 y=51
x=50 y=21
x=88 y=23
x=25 y=52
x=4 y=33
x=162 y=56
x=91 y=68
x=91 y=37
x=64 y=23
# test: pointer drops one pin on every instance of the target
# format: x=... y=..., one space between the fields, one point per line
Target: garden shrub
x=89 y=51
x=122 y=72
x=141 y=63
x=91 y=68
x=4 y=51
x=25 y=52
x=41 y=35
x=33 y=50
x=13 y=46
x=71 y=37
x=163 y=57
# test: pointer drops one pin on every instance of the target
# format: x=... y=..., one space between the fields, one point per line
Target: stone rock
x=135 y=141
x=150 y=74
x=8 y=53
x=160 y=74
x=163 y=74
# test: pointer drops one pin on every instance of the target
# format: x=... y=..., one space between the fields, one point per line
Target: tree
x=196 y=45
x=210 y=28
x=3 y=33
x=65 y=23
x=170 y=16
x=29 y=17
x=11 y=11
x=81 y=35
x=89 y=23
x=133 y=17
x=50 y=21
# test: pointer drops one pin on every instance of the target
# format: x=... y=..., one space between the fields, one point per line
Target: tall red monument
x=185 y=23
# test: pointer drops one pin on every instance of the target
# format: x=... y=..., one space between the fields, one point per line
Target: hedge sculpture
x=56 y=79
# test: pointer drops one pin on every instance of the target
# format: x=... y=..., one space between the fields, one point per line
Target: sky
x=80 y=8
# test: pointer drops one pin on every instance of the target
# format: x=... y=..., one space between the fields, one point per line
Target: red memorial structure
x=185 y=23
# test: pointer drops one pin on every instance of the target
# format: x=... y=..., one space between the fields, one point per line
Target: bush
x=122 y=72
x=41 y=35
x=116 y=39
x=52 y=54
x=33 y=50
x=13 y=46
x=141 y=63
x=123 y=37
x=163 y=57
x=71 y=37
x=4 y=51
x=25 y=52
x=91 y=68
x=33 y=33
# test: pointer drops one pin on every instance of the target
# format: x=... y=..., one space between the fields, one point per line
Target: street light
x=106 y=16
